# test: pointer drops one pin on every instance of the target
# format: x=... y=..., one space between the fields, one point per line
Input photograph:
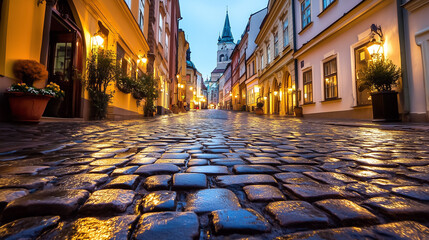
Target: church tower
x=225 y=45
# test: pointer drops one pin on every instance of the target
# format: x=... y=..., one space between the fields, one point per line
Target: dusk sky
x=203 y=22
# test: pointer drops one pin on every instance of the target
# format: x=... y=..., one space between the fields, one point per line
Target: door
x=362 y=58
x=289 y=96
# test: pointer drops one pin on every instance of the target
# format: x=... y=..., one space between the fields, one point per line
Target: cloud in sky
x=203 y=22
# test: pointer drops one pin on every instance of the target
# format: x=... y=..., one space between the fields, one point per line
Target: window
x=262 y=61
x=161 y=25
x=276 y=45
x=327 y=3
x=268 y=53
x=305 y=13
x=141 y=15
x=330 y=79
x=166 y=46
x=308 y=86
x=253 y=68
x=285 y=33
x=128 y=2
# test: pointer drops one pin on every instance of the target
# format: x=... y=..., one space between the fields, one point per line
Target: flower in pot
x=379 y=77
x=27 y=102
x=54 y=104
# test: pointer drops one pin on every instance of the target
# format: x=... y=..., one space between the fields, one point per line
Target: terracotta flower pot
x=27 y=107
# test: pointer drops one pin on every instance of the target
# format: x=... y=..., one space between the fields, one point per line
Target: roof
x=226 y=33
x=218 y=70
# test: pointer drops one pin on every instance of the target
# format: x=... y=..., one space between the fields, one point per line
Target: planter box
x=298 y=112
x=259 y=111
x=27 y=107
x=385 y=106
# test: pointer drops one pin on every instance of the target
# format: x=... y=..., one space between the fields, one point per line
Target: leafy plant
x=260 y=105
x=24 y=88
x=380 y=75
x=147 y=86
x=101 y=72
x=125 y=84
x=30 y=71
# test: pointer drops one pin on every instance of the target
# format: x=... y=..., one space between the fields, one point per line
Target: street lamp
x=375 y=47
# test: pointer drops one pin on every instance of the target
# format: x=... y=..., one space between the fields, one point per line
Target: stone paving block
x=8 y=195
x=424 y=177
x=158 y=182
x=227 y=161
x=366 y=189
x=189 y=181
x=45 y=203
x=347 y=212
x=159 y=201
x=422 y=169
x=365 y=175
x=239 y=221
x=114 y=228
x=208 y=155
x=110 y=162
x=411 y=162
x=124 y=182
x=183 y=156
x=78 y=161
x=297 y=161
x=124 y=171
x=209 y=200
x=82 y=181
x=375 y=162
x=295 y=178
x=115 y=150
x=297 y=168
x=247 y=179
x=399 y=207
x=319 y=192
x=103 y=155
x=153 y=169
x=297 y=214
x=197 y=162
x=167 y=226
x=263 y=193
x=217 y=150
x=266 y=154
x=347 y=233
x=178 y=162
x=27 y=228
x=393 y=182
x=142 y=160
x=28 y=182
x=415 y=192
x=209 y=170
x=263 y=160
x=254 y=169
x=107 y=201
x=402 y=230
x=65 y=170
x=103 y=169
x=331 y=166
x=31 y=170
x=330 y=178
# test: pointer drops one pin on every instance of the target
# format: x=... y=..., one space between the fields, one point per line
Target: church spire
x=226 y=33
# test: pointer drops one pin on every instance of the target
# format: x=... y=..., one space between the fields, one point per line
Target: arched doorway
x=275 y=97
x=289 y=94
x=65 y=58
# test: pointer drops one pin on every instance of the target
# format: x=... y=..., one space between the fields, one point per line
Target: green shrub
x=379 y=76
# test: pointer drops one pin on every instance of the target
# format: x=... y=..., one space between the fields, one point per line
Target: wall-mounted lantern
x=375 y=47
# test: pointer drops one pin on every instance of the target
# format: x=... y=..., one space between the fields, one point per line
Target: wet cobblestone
x=213 y=175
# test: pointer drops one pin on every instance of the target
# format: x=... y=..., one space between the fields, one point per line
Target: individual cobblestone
x=329 y=180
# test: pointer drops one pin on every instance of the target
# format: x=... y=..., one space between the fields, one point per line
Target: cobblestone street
x=213 y=175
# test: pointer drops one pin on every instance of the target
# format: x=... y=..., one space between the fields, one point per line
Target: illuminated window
x=327 y=3
x=305 y=13
x=308 y=86
x=141 y=15
x=285 y=33
x=161 y=26
x=330 y=79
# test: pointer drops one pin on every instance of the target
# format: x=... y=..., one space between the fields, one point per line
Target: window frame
x=307 y=79
x=141 y=14
x=160 y=27
x=268 y=53
x=330 y=90
x=286 y=33
x=276 y=44
x=305 y=19
x=329 y=3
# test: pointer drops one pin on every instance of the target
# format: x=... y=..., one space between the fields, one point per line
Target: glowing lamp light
x=275 y=93
x=191 y=88
x=289 y=90
x=236 y=96
x=256 y=89
x=144 y=59
x=230 y=94
x=265 y=98
x=375 y=48
x=98 y=40
x=195 y=92
x=177 y=76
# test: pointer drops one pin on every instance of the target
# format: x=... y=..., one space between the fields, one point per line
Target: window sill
x=306 y=27
x=362 y=106
x=309 y=104
x=332 y=100
x=327 y=8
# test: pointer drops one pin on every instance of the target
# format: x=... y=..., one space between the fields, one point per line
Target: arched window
x=221 y=58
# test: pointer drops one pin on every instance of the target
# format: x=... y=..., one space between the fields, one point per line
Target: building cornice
x=413 y=5
x=270 y=18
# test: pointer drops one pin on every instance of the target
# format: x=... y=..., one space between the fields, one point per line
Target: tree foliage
x=380 y=75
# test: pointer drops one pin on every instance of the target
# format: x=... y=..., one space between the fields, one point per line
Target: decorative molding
x=413 y=5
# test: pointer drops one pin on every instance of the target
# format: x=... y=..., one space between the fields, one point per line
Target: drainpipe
x=46 y=31
x=405 y=89
x=294 y=49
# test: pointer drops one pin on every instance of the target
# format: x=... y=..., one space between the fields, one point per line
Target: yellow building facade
x=62 y=34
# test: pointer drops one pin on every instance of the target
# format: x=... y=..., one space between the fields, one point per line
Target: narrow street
x=212 y=174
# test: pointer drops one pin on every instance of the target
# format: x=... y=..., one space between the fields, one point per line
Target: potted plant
x=259 y=109
x=150 y=92
x=102 y=71
x=298 y=111
x=125 y=84
x=379 y=77
x=27 y=102
x=54 y=104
